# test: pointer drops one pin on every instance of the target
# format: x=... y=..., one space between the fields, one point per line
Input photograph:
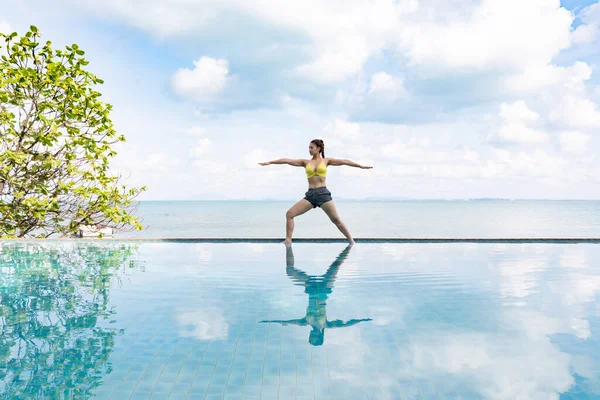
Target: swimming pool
x=121 y=320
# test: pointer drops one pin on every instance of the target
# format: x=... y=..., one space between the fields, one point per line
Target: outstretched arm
x=338 y=323
x=343 y=161
x=296 y=275
x=290 y=161
x=300 y=322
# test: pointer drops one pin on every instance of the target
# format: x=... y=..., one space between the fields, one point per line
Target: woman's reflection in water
x=318 y=288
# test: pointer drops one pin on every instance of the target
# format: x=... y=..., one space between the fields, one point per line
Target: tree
x=55 y=144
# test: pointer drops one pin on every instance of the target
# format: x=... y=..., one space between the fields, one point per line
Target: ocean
x=488 y=218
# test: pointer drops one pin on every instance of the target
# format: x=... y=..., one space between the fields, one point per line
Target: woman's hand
x=365 y=167
x=265 y=163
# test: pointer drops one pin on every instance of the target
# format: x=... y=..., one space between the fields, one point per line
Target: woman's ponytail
x=320 y=144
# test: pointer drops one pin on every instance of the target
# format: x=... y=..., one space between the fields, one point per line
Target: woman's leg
x=331 y=212
x=299 y=208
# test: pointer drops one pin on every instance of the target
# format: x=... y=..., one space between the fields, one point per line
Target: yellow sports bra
x=321 y=170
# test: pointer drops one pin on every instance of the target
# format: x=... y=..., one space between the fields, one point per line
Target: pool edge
x=323 y=240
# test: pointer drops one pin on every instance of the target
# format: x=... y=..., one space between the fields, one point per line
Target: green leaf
x=63 y=158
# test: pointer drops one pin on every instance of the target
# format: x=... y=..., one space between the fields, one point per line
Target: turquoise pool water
x=251 y=320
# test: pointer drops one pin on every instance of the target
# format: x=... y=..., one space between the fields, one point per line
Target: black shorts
x=318 y=196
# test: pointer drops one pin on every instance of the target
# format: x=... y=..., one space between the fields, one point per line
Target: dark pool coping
x=328 y=240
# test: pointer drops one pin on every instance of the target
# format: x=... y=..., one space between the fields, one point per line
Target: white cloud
x=513 y=128
x=389 y=62
x=254 y=157
x=519 y=133
x=496 y=371
x=584 y=34
x=208 y=78
x=535 y=77
x=419 y=141
x=256 y=248
x=217 y=170
x=340 y=133
x=581 y=328
x=575 y=111
x=145 y=163
x=509 y=33
x=576 y=75
x=337 y=62
x=414 y=153
x=577 y=289
x=5 y=27
x=537 y=163
x=344 y=35
x=517 y=112
x=409 y=165
x=202 y=147
x=200 y=114
x=386 y=87
x=588 y=31
x=574 y=142
x=470 y=155
x=574 y=257
x=399 y=158
x=519 y=277
x=205 y=323
x=146 y=168
x=204 y=252
x=195 y=131
x=561 y=92
x=383 y=316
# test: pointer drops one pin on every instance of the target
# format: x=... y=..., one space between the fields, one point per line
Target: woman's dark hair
x=319 y=143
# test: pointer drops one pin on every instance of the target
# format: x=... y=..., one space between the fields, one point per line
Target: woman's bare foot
x=287 y=242
x=352 y=241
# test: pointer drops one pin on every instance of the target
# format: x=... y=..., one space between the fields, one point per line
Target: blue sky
x=468 y=99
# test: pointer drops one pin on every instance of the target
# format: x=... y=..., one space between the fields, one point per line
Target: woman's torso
x=317 y=167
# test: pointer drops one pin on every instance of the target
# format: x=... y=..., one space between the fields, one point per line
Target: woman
x=318 y=288
x=317 y=194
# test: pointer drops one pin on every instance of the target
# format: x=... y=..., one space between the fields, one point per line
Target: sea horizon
x=382 y=199
x=373 y=218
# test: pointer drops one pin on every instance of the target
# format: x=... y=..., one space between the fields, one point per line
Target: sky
x=459 y=99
